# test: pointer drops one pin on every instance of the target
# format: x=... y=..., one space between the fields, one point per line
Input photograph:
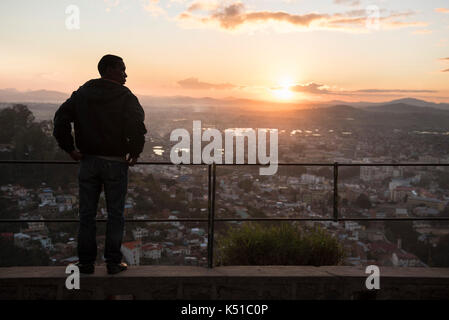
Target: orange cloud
x=202 y=6
x=442 y=10
x=320 y=89
x=234 y=15
x=195 y=84
x=311 y=88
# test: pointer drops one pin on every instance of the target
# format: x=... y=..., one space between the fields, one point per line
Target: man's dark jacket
x=108 y=120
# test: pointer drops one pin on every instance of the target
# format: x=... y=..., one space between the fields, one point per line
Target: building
x=21 y=240
x=401 y=212
x=400 y=258
x=152 y=251
x=36 y=226
x=45 y=241
x=376 y=173
x=197 y=231
x=132 y=252
x=426 y=212
x=140 y=233
x=428 y=202
x=311 y=179
x=401 y=193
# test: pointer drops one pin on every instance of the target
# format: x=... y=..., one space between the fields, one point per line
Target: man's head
x=112 y=68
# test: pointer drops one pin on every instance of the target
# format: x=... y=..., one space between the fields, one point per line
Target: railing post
x=209 y=189
x=336 y=191
x=211 y=220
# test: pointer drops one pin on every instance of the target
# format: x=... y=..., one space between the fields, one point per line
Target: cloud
x=234 y=15
x=311 y=88
x=442 y=10
x=152 y=6
x=423 y=31
x=195 y=84
x=202 y=6
x=351 y=3
x=445 y=59
x=321 y=89
x=394 y=91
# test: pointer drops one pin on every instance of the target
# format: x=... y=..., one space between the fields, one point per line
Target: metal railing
x=212 y=192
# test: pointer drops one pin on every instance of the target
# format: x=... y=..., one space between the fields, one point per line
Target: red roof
x=151 y=246
x=132 y=244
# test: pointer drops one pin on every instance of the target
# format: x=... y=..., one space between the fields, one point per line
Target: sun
x=282 y=91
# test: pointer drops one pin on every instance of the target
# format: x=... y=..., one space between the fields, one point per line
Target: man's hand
x=76 y=155
x=131 y=161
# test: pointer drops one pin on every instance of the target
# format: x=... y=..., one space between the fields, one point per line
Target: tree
x=10 y=255
x=440 y=255
x=346 y=173
x=245 y=185
x=443 y=180
x=13 y=120
x=31 y=141
x=325 y=172
x=363 y=201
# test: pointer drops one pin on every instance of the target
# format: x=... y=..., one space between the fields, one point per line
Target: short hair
x=107 y=61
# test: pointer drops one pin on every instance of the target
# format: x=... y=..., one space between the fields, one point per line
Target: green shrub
x=282 y=244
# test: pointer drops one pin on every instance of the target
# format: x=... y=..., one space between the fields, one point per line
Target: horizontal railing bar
x=101 y=220
x=244 y=164
x=237 y=219
x=332 y=219
x=344 y=164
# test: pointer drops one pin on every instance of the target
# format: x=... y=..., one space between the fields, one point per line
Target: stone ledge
x=229 y=283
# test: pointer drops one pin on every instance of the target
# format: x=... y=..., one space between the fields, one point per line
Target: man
x=110 y=135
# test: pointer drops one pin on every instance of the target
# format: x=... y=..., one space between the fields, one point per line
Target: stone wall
x=227 y=283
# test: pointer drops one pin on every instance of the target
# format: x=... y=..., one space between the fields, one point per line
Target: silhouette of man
x=110 y=135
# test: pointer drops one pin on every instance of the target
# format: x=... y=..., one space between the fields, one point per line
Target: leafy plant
x=282 y=244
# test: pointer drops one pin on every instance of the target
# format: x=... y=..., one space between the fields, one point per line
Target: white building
x=21 y=239
x=352 y=226
x=175 y=224
x=140 y=233
x=311 y=179
x=152 y=251
x=197 y=231
x=132 y=252
x=45 y=241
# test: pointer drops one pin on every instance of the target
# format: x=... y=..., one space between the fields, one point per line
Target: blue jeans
x=93 y=174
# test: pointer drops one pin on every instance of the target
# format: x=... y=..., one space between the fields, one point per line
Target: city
x=180 y=192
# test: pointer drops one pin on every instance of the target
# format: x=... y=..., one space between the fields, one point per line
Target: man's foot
x=87 y=268
x=114 y=268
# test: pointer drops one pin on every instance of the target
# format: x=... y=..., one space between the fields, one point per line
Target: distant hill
x=406 y=108
x=41 y=111
x=13 y=95
x=406 y=101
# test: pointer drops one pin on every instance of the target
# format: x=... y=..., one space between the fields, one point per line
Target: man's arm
x=62 y=128
x=135 y=130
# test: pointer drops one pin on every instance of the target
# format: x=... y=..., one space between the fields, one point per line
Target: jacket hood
x=103 y=90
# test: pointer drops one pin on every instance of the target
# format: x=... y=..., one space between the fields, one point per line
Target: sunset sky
x=280 y=50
